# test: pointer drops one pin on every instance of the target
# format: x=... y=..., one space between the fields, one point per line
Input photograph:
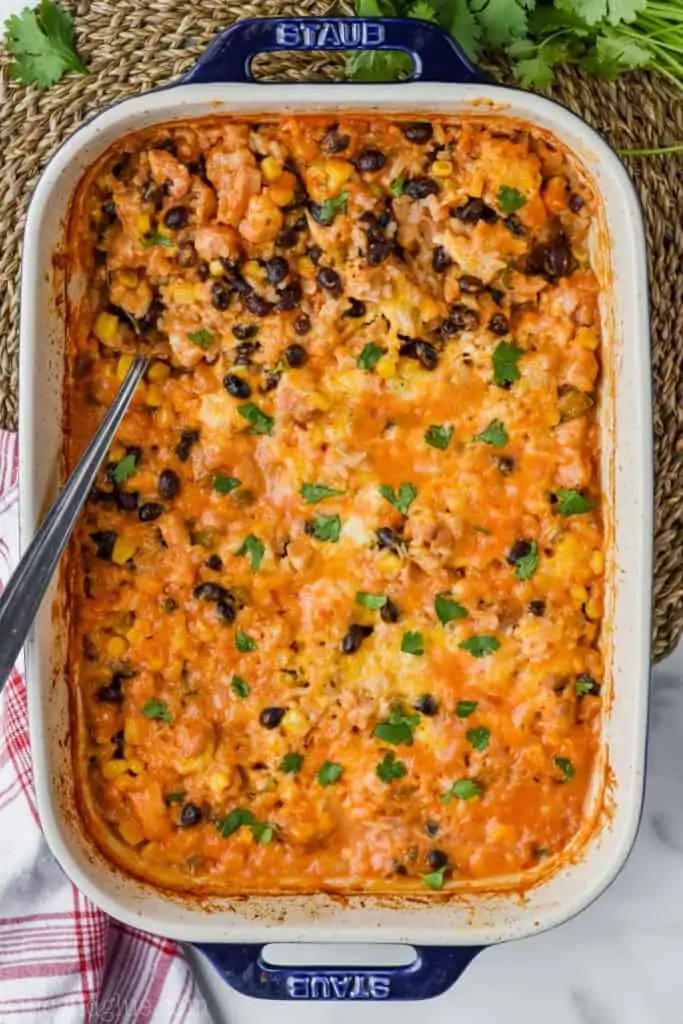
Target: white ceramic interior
x=479 y=918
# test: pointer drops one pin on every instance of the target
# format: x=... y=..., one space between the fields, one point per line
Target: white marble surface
x=620 y=962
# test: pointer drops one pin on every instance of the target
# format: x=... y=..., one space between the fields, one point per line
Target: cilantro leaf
x=463 y=25
x=254 y=549
x=313 y=493
x=403 y=499
x=505 y=358
x=202 y=338
x=369 y=357
x=328 y=209
x=586 y=684
x=502 y=21
x=495 y=434
x=398 y=728
x=397 y=186
x=291 y=764
x=42 y=44
x=126 y=468
x=372 y=601
x=234 y=820
x=157 y=709
x=326 y=528
x=572 y=502
x=413 y=643
x=239 y=687
x=378 y=65
x=465 y=708
x=566 y=768
x=329 y=773
x=463 y=789
x=243 y=642
x=615 y=52
x=225 y=484
x=260 y=422
x=439 y=436
x=389 y=768
x=535 y=71
x=156 y=238
x=174 y=798
x=526 y=566
x=480 y=646
x=263 y=832
x=435 y=879
x=447 y=609
x=510 y=199
x=479 y=738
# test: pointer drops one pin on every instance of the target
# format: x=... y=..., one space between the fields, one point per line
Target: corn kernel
x=116 y=452
x=136 y=766
x=131 y=833
x=388 y=563
x=128 y=278
x=305 y=266
x=282 y=190
x=442 y=168
x=123 y=366
x=155 y=664
x=216 y=268
x=153 y=398
x=296 y=723
x=587 y=338
x=183 y=292
x=593 y=608
x=112 y=769
x=218 y=782
x=144 y=223
x=150 y=851
x=386 y=367
x=116 y=646
x=251 y=269
x=134 y=731
x=271 y=169
x=158 y=371
x=123 y=550
x=106 y=328
x=376 y=190
x=429 y=308
x=597 y=562
x=338 y=173
x=580 y=594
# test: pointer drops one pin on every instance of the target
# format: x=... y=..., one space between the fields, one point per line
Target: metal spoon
x=21 y=598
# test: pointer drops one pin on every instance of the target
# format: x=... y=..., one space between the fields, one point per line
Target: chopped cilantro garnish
x=225 y=484
x=572 y=502
x=495 y=434
x=398 y=728
x=480 y=646
x=413 y=643
x=254 y=549
x=369 y=357
x=202 y=338
x=389 y=768
x=313 y=493
x=403 y=499
x=505 y=358
x=260 y=422
x=157 y=709
x=510 y=199
x=439 y=436
x=372 y=601
x=239 y=687
x=463 y=789
x=329 y=773
x=243 y=642
x=447 y=609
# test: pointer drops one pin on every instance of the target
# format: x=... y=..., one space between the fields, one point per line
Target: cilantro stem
x=654 y=151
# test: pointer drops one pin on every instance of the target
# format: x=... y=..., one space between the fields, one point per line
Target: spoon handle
x=20 y=601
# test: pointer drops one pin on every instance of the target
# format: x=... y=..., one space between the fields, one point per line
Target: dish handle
x=432 y=972
x=436 y=56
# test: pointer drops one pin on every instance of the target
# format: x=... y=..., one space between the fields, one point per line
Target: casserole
x=479 y=917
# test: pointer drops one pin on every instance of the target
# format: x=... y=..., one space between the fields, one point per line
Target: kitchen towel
x=62 y=959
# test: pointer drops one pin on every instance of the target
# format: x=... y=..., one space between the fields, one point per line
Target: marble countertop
x=619 y=962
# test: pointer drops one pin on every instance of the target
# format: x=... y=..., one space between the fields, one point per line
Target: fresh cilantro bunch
x=604 y=37
x=42 y=44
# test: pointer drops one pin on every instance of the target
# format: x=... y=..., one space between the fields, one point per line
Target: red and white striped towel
x=62 y=960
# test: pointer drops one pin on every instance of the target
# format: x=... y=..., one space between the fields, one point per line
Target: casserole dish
x=479 y=917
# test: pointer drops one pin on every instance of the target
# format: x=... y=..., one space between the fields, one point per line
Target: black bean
x=277 y=269
x=498 y=324
x=287 y=238
x=389 y=539
x=333 y=142
x=587 y=680
x=389 y=612
x=300 y=224
x=203 y=270
x=289 y=297
x=271 y=379
x=302 y=324
x=551 y=259
x=169 y=605
x=244 y=351
x=109 y=207
x=354 y=638
x=355 y=310
x=187 y=439
x=210 y=592
x=437 y=859
x=423 y=351
x=330 y=280
x=243 y=332
x=296 y=356
x=576 y=202
x=190 y=815
x=400 y=869
x=431 y=827
x=519 y=550
x=187 y=255
x=225 y=610
x=470 y=284
x=441 y=261
x=169 y=145
x=474 y=210
x=111 y=693
x=418 y=131
x=537 y=608
x=149 y=321
x=270 y=718
x=236 y=386
x=370 y=160
x=378 y=252
x=214 y=562
x=118 y=740
x=257 y=304
x=321 y=214
x=176 y=218
x=151 y=193
x=506 y=464
x=460 y=318
x=104 y=543
x=121 y=165
x=314 y=252
x=220 y=296
x=420 y=188
x=168 y=484
x=150 y=511
x=515 y=226
x=426 y=705
x=127 y=501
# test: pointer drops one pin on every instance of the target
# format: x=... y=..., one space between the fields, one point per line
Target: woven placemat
x=130 y=47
